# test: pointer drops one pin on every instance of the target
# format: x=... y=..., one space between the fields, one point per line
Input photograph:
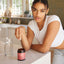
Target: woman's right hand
x=19 y=32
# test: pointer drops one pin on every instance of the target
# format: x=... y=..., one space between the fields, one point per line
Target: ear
x=47 y=11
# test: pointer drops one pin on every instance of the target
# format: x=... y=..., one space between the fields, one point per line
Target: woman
x=46 y=28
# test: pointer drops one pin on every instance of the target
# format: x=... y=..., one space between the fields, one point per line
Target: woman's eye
x=42 y=11
x=34 y=9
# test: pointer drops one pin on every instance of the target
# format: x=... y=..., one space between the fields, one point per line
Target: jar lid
x=21 y=50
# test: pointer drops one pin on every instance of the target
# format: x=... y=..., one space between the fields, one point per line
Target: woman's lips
x=37 y=18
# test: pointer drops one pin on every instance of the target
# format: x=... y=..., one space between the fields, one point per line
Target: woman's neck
x=41 y=24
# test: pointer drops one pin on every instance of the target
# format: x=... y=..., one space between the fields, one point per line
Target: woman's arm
x=51 y=33
x=26 y=41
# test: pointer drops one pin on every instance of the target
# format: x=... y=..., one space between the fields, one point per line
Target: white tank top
x=41 y=34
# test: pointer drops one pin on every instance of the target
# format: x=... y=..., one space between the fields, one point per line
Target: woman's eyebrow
x=40 y=9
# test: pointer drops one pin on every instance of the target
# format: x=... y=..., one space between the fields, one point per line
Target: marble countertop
x=12 y=25
x=32 y=57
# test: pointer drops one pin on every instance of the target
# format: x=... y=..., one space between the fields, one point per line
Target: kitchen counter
x=32 y=57
x=12 y=25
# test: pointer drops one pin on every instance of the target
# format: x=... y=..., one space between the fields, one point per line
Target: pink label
x=21 y=56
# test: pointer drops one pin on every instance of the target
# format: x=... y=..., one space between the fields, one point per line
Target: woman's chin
x=37 y=20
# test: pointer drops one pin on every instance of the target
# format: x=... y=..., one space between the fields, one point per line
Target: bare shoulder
x=53 y=27
x=54 y=23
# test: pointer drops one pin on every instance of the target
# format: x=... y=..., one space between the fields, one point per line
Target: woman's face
x=39 y=11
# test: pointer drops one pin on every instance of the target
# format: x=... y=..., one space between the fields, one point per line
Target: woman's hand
x=19 y=32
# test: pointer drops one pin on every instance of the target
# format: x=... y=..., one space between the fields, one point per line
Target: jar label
x=21 y=56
